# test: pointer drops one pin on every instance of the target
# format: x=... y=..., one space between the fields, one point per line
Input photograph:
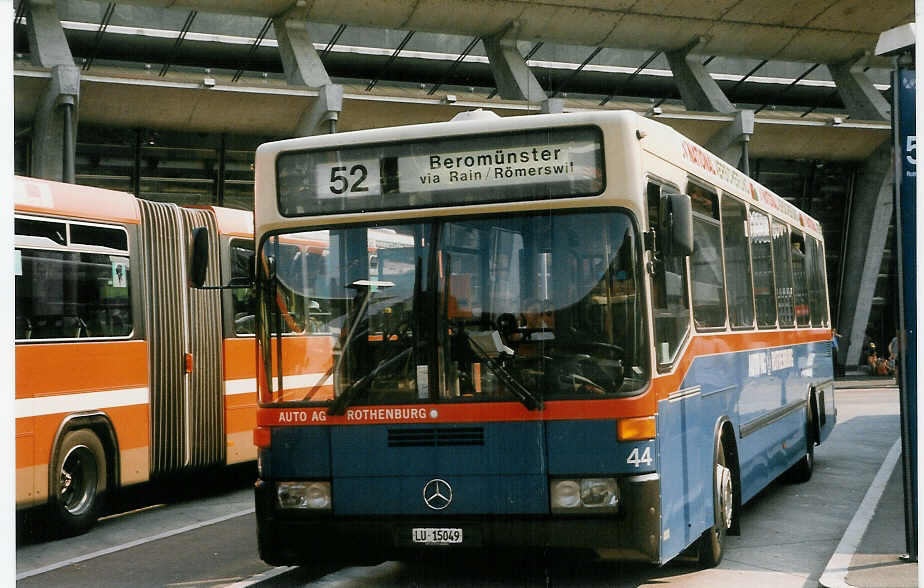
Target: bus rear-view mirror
x=200 y=257
x=676 y=224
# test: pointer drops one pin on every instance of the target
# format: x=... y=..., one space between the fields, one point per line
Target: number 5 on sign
x=348 y=179
x=636 y=460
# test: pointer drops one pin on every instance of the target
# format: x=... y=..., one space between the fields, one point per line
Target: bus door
x=184 y=329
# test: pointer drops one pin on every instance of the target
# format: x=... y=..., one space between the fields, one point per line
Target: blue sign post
x=903 y=115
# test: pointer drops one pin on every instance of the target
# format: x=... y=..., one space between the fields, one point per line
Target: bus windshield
x=531 y=307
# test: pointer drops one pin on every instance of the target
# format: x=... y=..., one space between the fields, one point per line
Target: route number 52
x=348 y=178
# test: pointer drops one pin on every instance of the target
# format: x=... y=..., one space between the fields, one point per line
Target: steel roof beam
x=100 y=32
x=788 y=88
x=455 y=64
x=253 y=49
x=564 y=85
x=391 y=59
x=628 y=81
x=179 y=41
x=333 y=40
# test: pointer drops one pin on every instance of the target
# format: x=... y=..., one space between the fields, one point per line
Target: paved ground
x=790 y=532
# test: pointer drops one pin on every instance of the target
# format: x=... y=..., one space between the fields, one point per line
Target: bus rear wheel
x=802 y=470
x=712 y=543
x=79 y=481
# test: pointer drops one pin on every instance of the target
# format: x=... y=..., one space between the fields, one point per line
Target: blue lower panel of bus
x=764 y=396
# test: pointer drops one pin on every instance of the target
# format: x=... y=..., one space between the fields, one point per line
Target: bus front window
x=530 y=307
x=560 y=290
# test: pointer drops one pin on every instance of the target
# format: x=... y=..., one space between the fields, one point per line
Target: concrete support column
x=700 y=92
x=513 y=77
x=47 y=43
x=326 y=109
x=860 y=96
x=868 y=226
x=697 y=88
x=731 y=142
x=303 y=67
x=54 y=129
x=300 y=60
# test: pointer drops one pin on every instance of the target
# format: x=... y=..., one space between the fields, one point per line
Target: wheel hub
x=723 y=480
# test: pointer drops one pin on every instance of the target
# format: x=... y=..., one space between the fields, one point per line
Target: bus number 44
x=637 y=459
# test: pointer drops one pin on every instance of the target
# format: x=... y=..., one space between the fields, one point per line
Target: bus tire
x=78 y=481
x=711 y=546
x=801 y=471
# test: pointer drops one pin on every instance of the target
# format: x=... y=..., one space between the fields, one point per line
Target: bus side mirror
x=200 y=256
x=677 y=225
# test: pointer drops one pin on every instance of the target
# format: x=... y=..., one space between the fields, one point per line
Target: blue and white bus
x=584 y=331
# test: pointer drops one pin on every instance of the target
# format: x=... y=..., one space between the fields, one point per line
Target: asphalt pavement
x=873 y=552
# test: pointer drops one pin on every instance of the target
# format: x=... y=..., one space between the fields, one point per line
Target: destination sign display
x=510 y=166
x=517 y=166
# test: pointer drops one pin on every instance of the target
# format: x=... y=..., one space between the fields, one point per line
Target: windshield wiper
x=339 y=405
x=518 y=389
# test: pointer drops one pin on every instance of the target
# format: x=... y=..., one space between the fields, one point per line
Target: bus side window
x=244 y=300
x=782 y=273
x=737 y=262
x=706 y=271
x=762 y=264
x=800 y=279
x=70 y=295
x=670 y=303
x=71 y=281
x=814 y=267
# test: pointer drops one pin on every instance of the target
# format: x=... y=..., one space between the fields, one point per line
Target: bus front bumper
x=288 y=537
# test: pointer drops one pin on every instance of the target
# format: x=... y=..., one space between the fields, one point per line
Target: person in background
x=893 y=355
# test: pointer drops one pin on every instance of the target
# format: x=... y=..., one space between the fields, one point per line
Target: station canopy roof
x=818 y=31
x=214 y=65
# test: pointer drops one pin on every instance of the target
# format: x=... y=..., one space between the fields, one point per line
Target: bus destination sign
x=502 y=166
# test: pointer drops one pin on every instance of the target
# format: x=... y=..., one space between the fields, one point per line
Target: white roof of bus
x=657 y=138
x=72 y=200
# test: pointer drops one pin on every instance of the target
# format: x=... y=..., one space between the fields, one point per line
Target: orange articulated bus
x=123 y=372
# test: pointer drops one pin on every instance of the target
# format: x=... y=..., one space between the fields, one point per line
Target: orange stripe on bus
x=726 y=343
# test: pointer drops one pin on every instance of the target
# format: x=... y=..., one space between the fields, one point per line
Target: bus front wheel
x=712 y=542
x=79 y=481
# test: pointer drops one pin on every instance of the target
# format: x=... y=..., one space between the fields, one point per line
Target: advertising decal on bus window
x=509 y=167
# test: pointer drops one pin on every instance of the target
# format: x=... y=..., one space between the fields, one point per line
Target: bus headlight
x=303 y=495
x=599 y=493
x=576 y=495
x=566 y=494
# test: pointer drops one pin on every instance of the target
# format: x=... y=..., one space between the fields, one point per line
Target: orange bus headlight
x=636 y=428
x=303 y=495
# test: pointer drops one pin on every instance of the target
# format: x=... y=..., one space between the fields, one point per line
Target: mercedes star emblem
x=437 y=494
